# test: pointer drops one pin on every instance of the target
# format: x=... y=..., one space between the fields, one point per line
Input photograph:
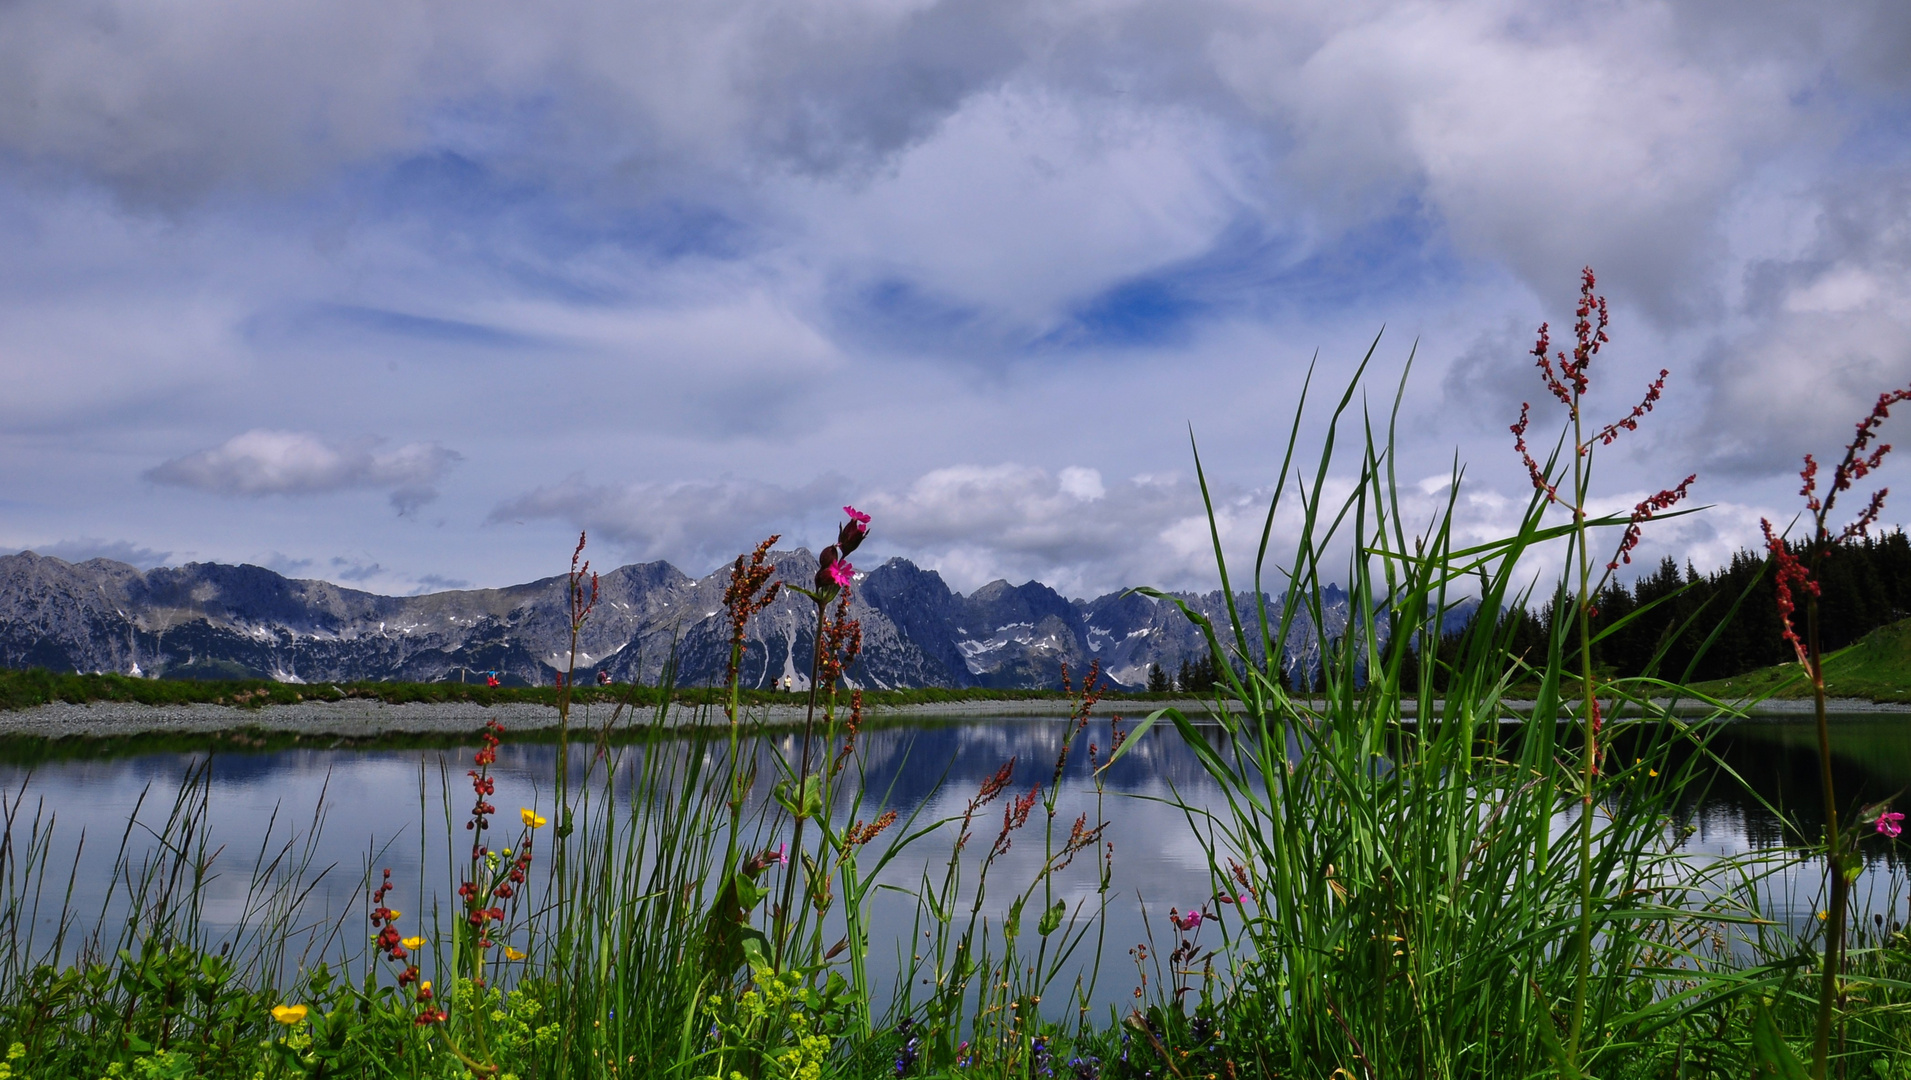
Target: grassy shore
x=1876 y=668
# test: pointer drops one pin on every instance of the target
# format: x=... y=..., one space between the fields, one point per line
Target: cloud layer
x=688 y=274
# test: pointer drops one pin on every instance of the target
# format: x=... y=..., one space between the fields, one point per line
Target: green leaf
x=1774 y=1054
x=1556 y=1050
x=1013 y=924
x=806 y=804
x=1051 y=919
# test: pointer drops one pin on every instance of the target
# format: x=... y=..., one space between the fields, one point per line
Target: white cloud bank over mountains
x=262 y=462
x=726 y=266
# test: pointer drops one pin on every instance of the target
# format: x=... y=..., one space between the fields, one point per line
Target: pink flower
x=782 y=858
x=842 y=573
x=861 y=519
x=1890 y=824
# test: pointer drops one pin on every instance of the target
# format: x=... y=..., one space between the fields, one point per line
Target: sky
x=402 y=294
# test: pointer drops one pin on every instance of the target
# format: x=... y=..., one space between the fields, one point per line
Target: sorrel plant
x=1794 y=577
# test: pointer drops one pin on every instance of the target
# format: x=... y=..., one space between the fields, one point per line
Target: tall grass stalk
x=1408 y=908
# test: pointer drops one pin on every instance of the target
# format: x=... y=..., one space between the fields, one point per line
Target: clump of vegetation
x=1449 y=895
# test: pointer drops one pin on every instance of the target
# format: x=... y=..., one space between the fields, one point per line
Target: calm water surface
x=349 y=810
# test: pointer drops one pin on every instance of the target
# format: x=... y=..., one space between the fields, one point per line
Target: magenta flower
x=1890 y=824
x=848 y=538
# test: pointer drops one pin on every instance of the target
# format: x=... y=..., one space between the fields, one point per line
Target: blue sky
x=404 y=294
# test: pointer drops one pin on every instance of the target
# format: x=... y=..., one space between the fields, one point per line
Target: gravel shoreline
x=360 y=718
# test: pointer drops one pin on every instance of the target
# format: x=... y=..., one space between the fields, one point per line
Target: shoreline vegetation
x=1370 y=895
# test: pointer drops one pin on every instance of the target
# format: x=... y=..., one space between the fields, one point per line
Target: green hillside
x=1876 y=668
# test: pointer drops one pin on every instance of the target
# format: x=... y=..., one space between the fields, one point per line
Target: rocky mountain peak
x=102 y=615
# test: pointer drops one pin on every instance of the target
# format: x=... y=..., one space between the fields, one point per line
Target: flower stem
x=802 y=780
x=1838 y=886
x=1589 y=764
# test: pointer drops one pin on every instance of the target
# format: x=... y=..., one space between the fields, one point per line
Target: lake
x=345 y=812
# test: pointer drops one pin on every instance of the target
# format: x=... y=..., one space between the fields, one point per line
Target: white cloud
x=1022 y=202
x=264 y=462
x=85 y=548
x=695 y=524
x=1826 y=329
x=1537 y=138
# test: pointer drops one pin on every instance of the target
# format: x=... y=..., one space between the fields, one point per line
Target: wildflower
x=860 y=834
x=842 y=573
x=1643 y=513
x=1890 y=824
x=906 y=1057
x=512 y=954
x=288 y=1014
x=740 y=597
x=1791 y=573
x=848 y=538
x=842 y=638
x=1822 y=916
x=532 y=820
x=413 y=942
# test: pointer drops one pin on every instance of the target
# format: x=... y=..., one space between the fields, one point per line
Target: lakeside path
x=361 y=718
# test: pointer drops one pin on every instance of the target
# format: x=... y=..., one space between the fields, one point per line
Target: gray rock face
x=107 y=616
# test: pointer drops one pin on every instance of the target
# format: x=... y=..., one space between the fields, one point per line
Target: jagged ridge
x=108 y=616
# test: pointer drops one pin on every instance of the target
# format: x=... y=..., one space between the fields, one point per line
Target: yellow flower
x=1821 y=916
x=395 y=914
x=426 y=985
x=288 y=1014
x=1652 y=772
x=531 y=818
x=512 y=954
x=413 y=942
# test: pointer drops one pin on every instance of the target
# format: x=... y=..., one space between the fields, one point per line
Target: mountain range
x=248 y=621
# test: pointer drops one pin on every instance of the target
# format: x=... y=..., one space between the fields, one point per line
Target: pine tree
x=1158 y=682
